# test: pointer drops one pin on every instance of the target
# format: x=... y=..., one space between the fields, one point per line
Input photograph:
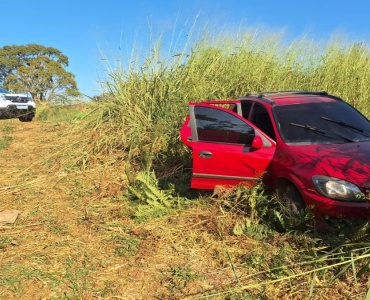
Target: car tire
x=292 y=199
x=26 y=118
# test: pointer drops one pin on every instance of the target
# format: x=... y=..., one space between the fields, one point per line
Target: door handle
x=205 y=154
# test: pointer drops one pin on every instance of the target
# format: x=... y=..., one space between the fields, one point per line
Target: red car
x=312 y=146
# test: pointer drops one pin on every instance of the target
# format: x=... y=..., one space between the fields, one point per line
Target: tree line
x=37 y=69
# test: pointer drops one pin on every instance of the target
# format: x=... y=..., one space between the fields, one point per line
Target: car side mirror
x=257 y=143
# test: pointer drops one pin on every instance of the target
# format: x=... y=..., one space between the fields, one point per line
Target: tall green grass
x=144 y=104
x=60 y=113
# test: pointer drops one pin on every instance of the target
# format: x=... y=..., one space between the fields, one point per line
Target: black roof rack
x=259 y=96
x=262 y=94
x=265 y=95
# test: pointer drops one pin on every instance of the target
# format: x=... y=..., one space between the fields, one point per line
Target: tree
x=36 y=69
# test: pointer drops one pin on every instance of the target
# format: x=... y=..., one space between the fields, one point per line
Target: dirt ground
x=75 y=237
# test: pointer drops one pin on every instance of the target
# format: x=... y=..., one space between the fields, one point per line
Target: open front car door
x=227 y=149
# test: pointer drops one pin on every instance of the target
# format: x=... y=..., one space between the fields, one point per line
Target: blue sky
x=86 y=31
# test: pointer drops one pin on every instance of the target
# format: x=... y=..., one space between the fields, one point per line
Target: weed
x=285 y=219
x=60 y=113
x=153 y=201
x=125 y=245
x=75 y=278
x=7 y=129
x=5 y=142
x=4 y=242
x=253 y=208
x=177 y=277
x=6 y=139
x=59 y=229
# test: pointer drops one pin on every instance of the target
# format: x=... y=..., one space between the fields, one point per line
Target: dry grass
x=76 y=237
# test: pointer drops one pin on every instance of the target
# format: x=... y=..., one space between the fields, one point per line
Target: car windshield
x=321 y=122
x=3 y=91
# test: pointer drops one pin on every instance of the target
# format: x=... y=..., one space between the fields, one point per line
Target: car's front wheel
x=291 y=199
x=294 y=200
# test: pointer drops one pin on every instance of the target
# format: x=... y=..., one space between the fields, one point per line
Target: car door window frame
x=267 y=142
x=222 y=126
x=270 y=131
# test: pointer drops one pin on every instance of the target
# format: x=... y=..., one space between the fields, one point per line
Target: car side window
x=246 y=108
x=215 y=125
x=262 y=120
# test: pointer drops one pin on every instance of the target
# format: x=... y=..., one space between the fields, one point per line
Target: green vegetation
x=144 y=105
x=108 y=212
x=58 y=113
x=37 y=69
x=6 y=137
x=152 y=201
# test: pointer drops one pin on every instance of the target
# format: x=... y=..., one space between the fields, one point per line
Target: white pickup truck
x=16 y=105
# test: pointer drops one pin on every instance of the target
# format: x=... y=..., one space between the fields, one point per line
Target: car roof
x=281 y=98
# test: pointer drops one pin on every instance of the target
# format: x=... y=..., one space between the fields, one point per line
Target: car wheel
x=293 y=200
x=25 y=118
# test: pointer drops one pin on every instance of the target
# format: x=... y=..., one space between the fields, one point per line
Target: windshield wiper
x=322 y=132
x=309 y=127
x=343 y=124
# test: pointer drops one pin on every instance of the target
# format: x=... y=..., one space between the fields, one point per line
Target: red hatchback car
x=311 y=146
